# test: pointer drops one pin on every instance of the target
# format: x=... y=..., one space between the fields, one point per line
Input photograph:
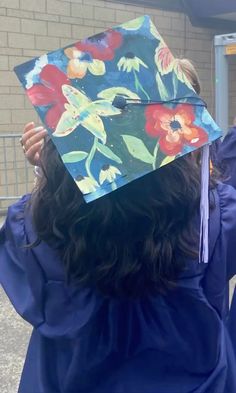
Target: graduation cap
x=117 y=106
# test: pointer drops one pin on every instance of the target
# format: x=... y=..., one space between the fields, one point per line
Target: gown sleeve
x=225 y=157
x=14 y=270
x=227 y=240
x=34 y=280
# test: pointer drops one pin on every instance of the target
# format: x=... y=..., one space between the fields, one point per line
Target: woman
x=113 y=288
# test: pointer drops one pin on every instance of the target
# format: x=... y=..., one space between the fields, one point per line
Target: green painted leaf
x=167 y=160
x=161 y=88
x=74 y=156
x=107 y=152
x=137 y=149
x=110 y=93
x=134 y=24
x=175 y=81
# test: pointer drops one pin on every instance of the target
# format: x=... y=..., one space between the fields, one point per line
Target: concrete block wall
x=29 y=28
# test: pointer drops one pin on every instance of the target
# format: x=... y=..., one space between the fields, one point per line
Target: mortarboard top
x=117 y=106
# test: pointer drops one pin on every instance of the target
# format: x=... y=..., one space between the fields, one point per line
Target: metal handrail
x=12 y=184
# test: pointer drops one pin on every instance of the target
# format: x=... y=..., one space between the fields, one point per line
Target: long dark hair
x=129 y=243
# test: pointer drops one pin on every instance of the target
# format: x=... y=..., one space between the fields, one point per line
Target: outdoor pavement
x=14 y=337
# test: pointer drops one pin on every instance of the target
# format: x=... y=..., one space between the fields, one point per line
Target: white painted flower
x=39 y=64
x=109 y=173
x=130 y=62
x=86 y=184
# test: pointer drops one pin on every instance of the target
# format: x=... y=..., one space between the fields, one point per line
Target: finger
x=32 y=154
x=39 y=137
x=36 y=157
x=33 y=135
x=29 y=133
x=28 y=126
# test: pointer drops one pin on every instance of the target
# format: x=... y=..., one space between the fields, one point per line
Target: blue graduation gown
x=224 y=155
x=83 y=342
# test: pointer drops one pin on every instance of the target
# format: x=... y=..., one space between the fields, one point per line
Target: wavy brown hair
x=131 y=242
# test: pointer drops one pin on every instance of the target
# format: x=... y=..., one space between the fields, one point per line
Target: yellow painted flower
x=81 y=62
x=130 y=62
x=86 y=184
x=109 y=173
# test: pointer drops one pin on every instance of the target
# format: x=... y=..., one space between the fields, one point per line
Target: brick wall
x=29 y=28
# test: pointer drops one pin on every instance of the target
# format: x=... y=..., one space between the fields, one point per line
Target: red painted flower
x=101 y=46
x=175 y=128
x=49 y=92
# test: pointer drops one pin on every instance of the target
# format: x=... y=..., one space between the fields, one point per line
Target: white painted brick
x=5 y=117
x=80 y=32
x=124 y=16
x=9 y=24
x=66 y=41
x=177 y=24
x=82 y=11
x=108 y=25
x=110 y=4
x=9 y=101
x=9 y=3
x=27 y=103
x=4 y=90
x=16 y=60
x=20 y=41
x=10 y=128
x=33 y=5
x=195 y=44
x=172 y=14
x=176 y=33
x=99 y=3
x=4 y=63
x=154 y=12
x=105 y=14
x=162 y=22
x=135 y=8
x=17 y=90
x=3 y=11
x=95 y=23
x=33 y=27
x=58 y=7
x=98 y=30
x=47 y=43
x=59 y=30
x=33 y=52
x=73 y=20
x=47 y=17
x=20 y=13
x=10 y=51
x=176 y=42
x=23 y=116
x=8 y=78
x=3 y=38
